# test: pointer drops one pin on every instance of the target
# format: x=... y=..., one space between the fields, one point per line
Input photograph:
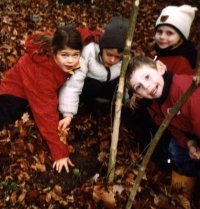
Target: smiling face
x=111 y=57
x=167 y=36
x=67 y=59
x=147 y=82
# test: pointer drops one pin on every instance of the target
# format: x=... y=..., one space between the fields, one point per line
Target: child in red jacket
x=150 y=80
x=35 y=80
x=171 y=36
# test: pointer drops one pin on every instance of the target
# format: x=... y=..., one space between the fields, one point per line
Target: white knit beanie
x=179 y=17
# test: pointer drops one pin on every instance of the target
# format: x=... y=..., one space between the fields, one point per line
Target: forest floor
x=27 y=179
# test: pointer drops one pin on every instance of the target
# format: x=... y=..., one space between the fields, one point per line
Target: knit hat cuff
x=111 y=43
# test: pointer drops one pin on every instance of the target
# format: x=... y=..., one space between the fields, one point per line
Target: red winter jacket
x=88 y=35
x=37 y=79
x=186 y=122
x=177 y=65
x=179 y=60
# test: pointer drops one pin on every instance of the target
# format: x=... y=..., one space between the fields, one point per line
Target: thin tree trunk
x=120 y=92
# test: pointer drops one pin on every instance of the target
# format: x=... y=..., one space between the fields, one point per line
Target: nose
x=162 y=35
x=69 y=59
x=146 y=86
x=112 y=59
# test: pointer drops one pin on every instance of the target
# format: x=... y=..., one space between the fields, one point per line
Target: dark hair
x=136 y=63
x=64 y=36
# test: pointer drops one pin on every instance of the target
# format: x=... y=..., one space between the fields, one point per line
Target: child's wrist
x=191 y=143
x=69 y=114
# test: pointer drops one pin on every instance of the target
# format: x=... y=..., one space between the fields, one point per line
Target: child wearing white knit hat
x=179 y=17
x=172 y=45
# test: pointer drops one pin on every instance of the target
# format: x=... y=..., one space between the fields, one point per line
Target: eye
x=146 y=77
x=159 y=31
x=137 y=88
x=64 y=55
x=76 y=55
x=118 y=57
x=108 y=54
x=169 y=33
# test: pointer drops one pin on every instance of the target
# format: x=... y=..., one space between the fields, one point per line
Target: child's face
x=147 y=82
x=111 y=57
x=67 y=59
x=167 y=36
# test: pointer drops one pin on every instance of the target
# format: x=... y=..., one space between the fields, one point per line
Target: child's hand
x=64 y=123
x=133 y=102
x=194 y=150
x=64 y=162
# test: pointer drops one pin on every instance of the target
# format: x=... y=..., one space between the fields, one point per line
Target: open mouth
x=68 y=68
x=154 y=91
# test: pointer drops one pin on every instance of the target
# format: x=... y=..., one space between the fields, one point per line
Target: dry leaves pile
x=27 y=179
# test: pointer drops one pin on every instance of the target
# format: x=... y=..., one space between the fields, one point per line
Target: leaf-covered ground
x=27 y=179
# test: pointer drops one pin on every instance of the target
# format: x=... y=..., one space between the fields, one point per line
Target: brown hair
x=135 y=64
x=64 y=36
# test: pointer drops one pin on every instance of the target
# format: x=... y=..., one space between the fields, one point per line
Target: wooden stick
x=120 y=92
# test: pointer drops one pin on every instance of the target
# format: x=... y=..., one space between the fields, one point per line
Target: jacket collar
x=186 y=49
x=167 y=83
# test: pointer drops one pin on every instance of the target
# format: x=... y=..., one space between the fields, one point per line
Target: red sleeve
x=191 y=110
x=41 y=91
x=31 y=46
x=88 y=35
x=179 y=136
x=177 y=65
x=188 y=123
x=158 y=118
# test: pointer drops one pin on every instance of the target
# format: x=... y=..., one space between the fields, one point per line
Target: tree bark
x=120 y=92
